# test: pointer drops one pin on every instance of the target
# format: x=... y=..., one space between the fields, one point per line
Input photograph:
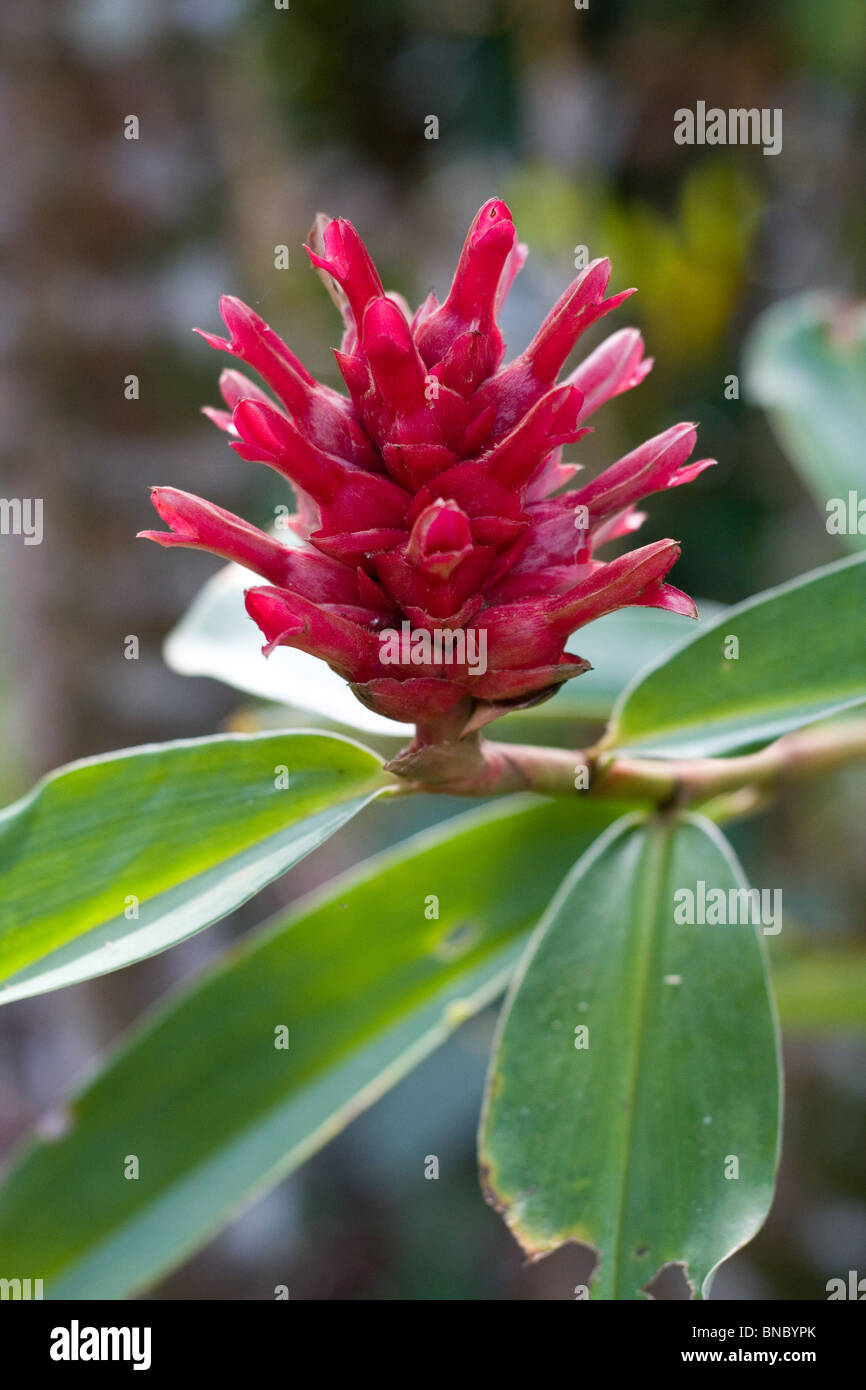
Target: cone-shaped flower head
x=440 y=566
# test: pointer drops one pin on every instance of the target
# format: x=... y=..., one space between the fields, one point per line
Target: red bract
x=435 y=568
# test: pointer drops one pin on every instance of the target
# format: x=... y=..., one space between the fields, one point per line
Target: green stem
x=475 y=767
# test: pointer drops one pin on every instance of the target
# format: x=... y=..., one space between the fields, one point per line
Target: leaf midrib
x=651 y=875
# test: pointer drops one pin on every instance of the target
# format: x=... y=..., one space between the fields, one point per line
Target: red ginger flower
x=429 y=499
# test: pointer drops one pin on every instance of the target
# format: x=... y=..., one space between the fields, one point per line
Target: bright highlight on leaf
x=116 y=858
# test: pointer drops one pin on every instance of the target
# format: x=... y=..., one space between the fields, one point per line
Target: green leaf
x=806 y=364
x=801 y=658
x=115 y=858
x=366 y=979
x=217 y=638
x=619 y=646
x=624 y=1143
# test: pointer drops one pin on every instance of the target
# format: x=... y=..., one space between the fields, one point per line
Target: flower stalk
x=477 y=767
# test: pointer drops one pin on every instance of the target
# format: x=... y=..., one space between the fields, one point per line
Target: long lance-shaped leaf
x=116 y=858
x=779 y=661
x=633 y=1096
x=217 y=1102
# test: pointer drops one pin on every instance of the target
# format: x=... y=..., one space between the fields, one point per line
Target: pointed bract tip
x=435 y=486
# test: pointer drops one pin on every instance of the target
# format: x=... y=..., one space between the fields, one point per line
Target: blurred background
x=251 y=120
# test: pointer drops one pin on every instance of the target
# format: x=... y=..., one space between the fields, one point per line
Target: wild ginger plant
x=441 y=557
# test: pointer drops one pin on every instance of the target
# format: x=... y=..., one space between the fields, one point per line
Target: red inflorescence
x=439 y=565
